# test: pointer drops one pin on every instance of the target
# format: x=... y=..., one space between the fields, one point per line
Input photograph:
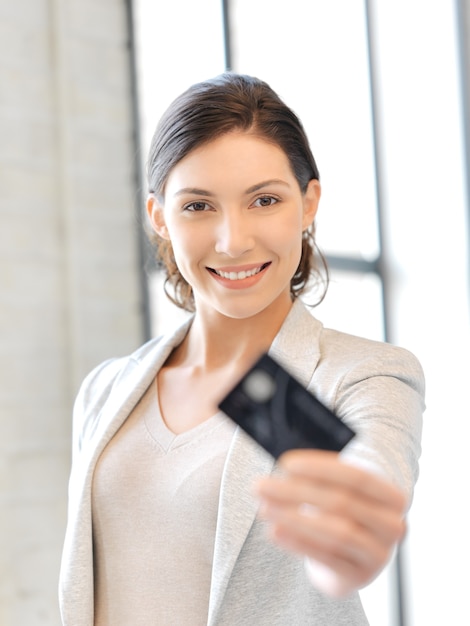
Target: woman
x=175 y=515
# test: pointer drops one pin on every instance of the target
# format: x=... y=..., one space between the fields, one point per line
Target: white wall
x=68 y=265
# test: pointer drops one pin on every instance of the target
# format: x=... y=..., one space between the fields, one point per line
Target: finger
x=346 y=574
x=327 y=467
x=334 y=541
x=384 y=522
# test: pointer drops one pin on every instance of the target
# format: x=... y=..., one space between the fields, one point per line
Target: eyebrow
x=203 y=192
x=266 y=183
x=194 y=191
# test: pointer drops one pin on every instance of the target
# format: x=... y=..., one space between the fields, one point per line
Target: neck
x=215 y=341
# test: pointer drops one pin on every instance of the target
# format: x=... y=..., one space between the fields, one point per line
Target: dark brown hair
x=207 y=110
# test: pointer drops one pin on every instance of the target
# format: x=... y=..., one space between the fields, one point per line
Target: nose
x=234 y=234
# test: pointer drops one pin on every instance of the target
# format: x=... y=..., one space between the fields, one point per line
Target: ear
x=155 y=214
x=311 y=201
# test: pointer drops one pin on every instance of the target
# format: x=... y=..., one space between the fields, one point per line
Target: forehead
x=234 y=154
x=234 y=140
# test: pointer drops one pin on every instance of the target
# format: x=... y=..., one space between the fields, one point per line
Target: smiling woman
x=178 y=517
x=258 y=112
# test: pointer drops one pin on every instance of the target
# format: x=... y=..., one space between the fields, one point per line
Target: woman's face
x=234 y=213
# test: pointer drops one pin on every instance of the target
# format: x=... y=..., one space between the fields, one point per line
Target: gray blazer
x=376 y=388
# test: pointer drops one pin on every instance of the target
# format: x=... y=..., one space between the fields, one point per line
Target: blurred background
x=383 y=91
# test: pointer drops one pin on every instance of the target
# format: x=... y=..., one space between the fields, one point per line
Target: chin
x=241 y=311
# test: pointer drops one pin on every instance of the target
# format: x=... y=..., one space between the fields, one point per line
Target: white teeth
x=238 y=275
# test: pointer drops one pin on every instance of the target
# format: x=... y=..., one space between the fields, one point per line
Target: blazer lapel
x=297 y=345
x=237 y=510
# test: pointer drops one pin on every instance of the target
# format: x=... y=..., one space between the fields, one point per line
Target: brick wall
x=69 y=275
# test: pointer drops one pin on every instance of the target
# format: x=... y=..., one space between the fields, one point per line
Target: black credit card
x=280 y=414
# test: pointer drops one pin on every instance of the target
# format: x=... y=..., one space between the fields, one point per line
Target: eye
x=264 y=201
x=196 y=207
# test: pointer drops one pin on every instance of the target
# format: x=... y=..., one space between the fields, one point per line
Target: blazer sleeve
x=378 y=389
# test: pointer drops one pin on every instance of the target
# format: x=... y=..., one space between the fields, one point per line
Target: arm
x=345 y=512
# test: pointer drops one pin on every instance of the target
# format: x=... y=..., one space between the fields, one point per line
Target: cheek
x=288 y=234
x=187 y=247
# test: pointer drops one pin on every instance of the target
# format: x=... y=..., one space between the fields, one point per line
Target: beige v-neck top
x=154 y=505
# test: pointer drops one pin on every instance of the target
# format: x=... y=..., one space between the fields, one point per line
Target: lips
x=234 y=274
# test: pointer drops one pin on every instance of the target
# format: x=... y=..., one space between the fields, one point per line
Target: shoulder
x=124 y=376
x=98 y=384
x=355 y=358
x=101 y=383
x=102 y=378
x=315 y=353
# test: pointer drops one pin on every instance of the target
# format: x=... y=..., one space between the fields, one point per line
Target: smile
x=239 y=275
